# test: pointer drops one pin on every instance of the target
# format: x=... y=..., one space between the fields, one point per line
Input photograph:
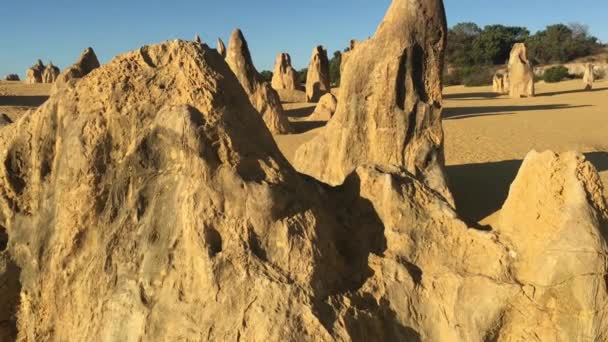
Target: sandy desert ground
x=486 y=136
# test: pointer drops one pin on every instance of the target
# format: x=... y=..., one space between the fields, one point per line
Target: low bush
x=556 y=74
x=470 y=76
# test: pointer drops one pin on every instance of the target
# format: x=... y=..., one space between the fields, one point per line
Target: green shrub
x=556 y=74
x=469 y=76
x=266 y=75
x=478 y=76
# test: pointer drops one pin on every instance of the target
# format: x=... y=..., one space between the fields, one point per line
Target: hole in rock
x=213 y=240
x=3 y=239
x=256 y=246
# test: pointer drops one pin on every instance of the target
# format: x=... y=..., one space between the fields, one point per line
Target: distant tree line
x=472 y=51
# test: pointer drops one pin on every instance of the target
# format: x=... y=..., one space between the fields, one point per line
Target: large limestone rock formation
x=50 y=73
x=500 y=83
x=389 y=106
x=86 y=63
x=325 y=109
x=221 y=48
x=34 y=73
x=149 y=203
x=284 y=75
x=588 y=76
x=264 y=99
x=12 y=77
x=521 y=73
x=317 y=78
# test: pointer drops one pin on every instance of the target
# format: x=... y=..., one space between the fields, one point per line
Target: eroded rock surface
x=263 y=98
x=284 y=75
x=588 y=76
x=221 y=48
x=149 y=202
x=50 y=73
x=317 y=78
x=87 y=62
x=521 y=73
x=325 y=109
x=500 y=83
x=34 y=74
x=389 y=106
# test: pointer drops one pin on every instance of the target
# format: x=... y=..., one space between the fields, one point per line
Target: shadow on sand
x=300 y=127
x=455 y=113
x=22 y=101
x=571 y=92
x=471 y=96
x=299 y=112
x=481 y=189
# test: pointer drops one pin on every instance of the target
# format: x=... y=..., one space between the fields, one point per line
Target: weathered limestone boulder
x=12 y=77
x=263 y=98
x=389 y=106
x=538 y=276
x=169 y=213
x=86 y=63
x=317 y=78
x=588 y=76
x=34 y=74
x=500 y=83
x=284 y=75
x=555 y=225
x=50 y=73
x=221 y=48
x=521 y=73
x=325 y=109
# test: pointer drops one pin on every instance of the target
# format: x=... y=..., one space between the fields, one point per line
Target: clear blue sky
x=59 y=30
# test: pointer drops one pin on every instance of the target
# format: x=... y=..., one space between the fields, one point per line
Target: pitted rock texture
x=389 y=104
x=262 y=96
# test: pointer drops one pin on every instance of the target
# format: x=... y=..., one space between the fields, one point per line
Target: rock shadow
x=22 y=101
x=471 y=96
x=299 y=112
x=481 y=189
x=300 y=127
x=455 y=113
x=575 y=91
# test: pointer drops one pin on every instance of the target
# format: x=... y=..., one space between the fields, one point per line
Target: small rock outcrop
x=34 y=74
x=521 y=73
x=221 y=47
x=389 y=107
x=325 y=109
x=500 y=83
x=263 y=98
x=50 y=73
x=317 y=78
x=86 y=63
x=588 y=76
x=12 y=77
x=197 y=39
x=284 y=75
x=346 y=54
